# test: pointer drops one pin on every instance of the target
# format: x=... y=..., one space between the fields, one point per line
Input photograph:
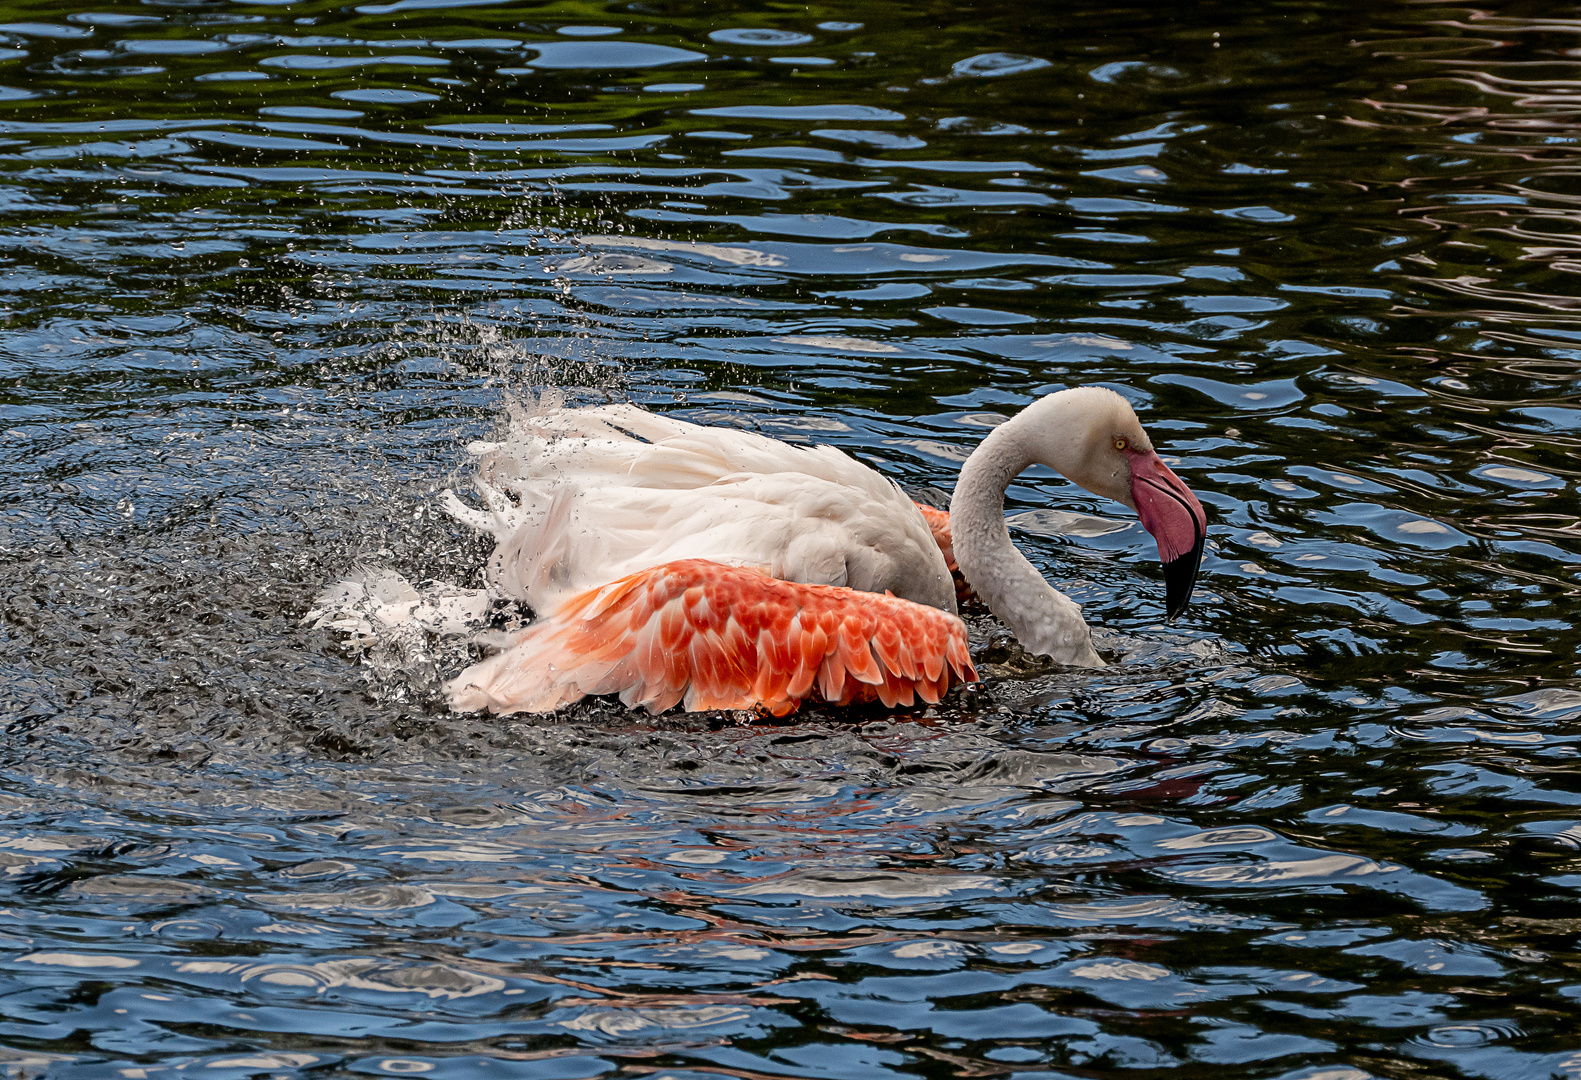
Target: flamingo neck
x=1043 y=619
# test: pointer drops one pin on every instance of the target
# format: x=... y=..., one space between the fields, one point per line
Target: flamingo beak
x=1173 y=515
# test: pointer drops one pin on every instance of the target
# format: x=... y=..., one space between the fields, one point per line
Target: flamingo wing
x=627 y=445
x=711 y=636
x=575 y=498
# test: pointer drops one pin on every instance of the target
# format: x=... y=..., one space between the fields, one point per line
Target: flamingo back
x=576 y=498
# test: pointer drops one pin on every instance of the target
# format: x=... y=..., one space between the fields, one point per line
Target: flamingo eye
x=1122 y=443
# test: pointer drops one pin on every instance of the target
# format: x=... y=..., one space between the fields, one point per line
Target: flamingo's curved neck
x=1044 y=620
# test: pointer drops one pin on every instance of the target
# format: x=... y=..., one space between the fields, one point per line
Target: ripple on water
x=358 y=977
x=866 y=886
x=646 y=1024
x=373 y=898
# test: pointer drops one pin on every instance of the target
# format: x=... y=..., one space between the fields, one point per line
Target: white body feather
x=577 y=498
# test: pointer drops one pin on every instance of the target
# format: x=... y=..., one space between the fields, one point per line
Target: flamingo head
x=1110 y=455
x=1173 y=515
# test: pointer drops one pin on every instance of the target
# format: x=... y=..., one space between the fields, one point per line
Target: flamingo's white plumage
x=580 y=497
x=674 y=563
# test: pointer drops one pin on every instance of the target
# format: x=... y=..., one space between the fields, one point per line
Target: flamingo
x=673 y=563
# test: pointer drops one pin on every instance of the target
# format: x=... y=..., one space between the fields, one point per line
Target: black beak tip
x=1180 y=577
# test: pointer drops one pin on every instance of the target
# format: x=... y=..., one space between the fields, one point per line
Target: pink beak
x=1173 y=515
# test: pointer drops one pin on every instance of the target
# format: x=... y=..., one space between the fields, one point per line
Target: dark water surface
x=268 y=267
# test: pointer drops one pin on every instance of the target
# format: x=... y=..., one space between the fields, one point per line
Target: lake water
x=266 y=268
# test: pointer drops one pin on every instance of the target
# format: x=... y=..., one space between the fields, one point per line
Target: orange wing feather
x=711 y=636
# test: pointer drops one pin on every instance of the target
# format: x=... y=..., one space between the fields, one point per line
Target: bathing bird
x=714 y=568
